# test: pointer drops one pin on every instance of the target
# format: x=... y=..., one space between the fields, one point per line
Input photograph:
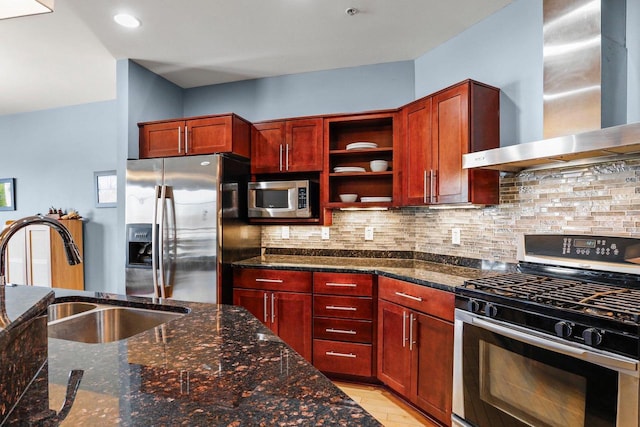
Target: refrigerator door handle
x=163 y=198
x=154 y=243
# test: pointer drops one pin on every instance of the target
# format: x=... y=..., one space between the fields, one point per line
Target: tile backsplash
x=602 y=199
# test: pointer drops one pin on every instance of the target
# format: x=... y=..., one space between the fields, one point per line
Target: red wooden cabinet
x=438 y=130
x=287 y=146
x=227 y=133
x=281 y=299
x=343 y=322
x=415 y=350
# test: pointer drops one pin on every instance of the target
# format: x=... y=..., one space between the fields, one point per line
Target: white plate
x=361 y=145
x=375 y=199
x=342 y=169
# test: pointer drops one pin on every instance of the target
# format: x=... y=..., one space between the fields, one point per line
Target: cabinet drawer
x=343 y=358
x=422 y=298
x=342 y=307
x=273 y=280
x=343 y=284
x=342 y=330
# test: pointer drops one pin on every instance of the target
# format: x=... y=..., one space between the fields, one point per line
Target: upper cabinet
x=354 y=142
x=287 y=146
x=227 y=133
x=438 y=130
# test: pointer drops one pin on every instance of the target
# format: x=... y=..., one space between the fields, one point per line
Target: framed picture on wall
x=106 y=187
x=7 y=194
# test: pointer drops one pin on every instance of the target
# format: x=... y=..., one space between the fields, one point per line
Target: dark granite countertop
x=215 y=366
x=22 y=303
x=432 y=274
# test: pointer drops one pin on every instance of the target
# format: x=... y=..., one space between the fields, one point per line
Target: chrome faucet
x=71 y=250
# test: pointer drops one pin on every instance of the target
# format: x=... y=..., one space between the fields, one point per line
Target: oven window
x=278 y=199
x=506 y=382
x=531 y=391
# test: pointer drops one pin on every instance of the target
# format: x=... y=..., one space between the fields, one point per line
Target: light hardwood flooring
x=384 y=406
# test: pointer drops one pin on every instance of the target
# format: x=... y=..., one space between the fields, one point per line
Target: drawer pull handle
x=402 y=294
x=269 y=280
x=335 y=307
x=333 y=353
x=340 y=331
x=342 y=285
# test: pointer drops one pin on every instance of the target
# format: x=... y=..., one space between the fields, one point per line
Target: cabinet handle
x=433 y=186
x=411 y=341
x=179 y=139
x=424 y=183
x=340 y=331
x=269 y=280
x=333 y=353
x=273 y=310
x=335 y=307
x=287 y=157
x=411 y=297
x=280 y=157
x=342 y=285
x=266 y=310
x=186 y=139
x=404 y=329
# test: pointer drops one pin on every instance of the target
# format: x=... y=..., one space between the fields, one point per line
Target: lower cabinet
x=415 y=345
x=281 y=299
x=343 y=324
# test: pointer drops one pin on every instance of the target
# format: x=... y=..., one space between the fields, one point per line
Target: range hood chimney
x=585 y=90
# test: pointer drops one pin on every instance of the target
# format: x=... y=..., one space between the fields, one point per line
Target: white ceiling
x=68 y=57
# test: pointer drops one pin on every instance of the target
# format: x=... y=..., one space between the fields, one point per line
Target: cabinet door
x=303 y=145
x=162 y=139
x=418 y=153
x=432 y=366
x=394 y=361
x=450 y=130
x=256 y=302
x=208 y=136
x=292 y=320
x=267 y=145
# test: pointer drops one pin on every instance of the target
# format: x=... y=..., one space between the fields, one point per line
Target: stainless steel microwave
x=282 y=199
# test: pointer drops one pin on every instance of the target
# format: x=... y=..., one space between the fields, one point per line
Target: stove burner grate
x=586 y=297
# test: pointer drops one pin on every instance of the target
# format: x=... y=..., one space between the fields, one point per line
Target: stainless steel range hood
x=585 y=92
x=587 y=147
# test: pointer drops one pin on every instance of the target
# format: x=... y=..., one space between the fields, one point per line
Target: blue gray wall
x=53 y=154
x=356 y=89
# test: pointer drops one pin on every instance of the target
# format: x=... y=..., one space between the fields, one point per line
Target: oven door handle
x=608 y=361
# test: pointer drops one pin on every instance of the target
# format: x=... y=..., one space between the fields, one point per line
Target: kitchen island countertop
x=216 y=365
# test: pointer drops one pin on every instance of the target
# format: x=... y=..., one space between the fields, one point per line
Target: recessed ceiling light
x=127 y=20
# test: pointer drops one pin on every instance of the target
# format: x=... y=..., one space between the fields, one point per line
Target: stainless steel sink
x=107 y=323
x=66 y=309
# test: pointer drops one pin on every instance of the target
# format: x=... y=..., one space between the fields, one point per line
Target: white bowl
x=378 y=165
x=348 y=198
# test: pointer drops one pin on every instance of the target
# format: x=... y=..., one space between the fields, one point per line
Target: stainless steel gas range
x=555 y=344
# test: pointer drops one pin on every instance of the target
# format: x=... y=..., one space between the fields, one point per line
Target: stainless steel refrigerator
x=185 y=224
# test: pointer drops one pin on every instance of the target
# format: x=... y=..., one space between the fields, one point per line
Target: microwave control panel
x=302 y=198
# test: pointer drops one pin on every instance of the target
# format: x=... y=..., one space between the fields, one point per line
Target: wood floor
x=384 y=406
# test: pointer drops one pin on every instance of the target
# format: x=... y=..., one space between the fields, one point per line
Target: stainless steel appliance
x=554 y=344
x=186 y=222
x=283 y=199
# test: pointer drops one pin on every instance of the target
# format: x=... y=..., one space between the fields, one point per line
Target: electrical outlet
x=368 y=233
x=455 y=236
x=325 y=233
x=285 y=231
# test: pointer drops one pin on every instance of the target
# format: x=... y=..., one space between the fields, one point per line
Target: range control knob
x=563 y=329
x=490 y=310
x=592 y=337
x=473 y=306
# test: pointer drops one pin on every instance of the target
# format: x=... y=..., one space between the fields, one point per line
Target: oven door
x=505 y=375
